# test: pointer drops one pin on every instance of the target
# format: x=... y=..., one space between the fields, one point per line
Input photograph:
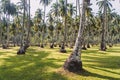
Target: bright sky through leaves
x=35 y=5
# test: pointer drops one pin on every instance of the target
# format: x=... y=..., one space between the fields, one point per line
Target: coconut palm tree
x=8 y=9
x=70 y=21
x=74 y=63
x=45 y=3
x=51 y=29
x=37 y=23
x=0 y=26
x=104 y=6
x=54 y=10
x=63 y=14
x=29 y=26
x=23 y=48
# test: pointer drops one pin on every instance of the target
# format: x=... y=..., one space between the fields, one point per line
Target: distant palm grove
x=64 y=26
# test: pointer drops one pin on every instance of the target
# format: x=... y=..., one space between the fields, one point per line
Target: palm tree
x=37 y=22
x=51 y=29
x=12 y=12
x=55 y=14
x=70 y=21
x=4 y=6
x=0 y=27
x=23 y=48
x=8 y=9
x=63 y=14
x=45 y=3
x=29 y=26
x=74 y=63
x=104 y=6
x=89 y=17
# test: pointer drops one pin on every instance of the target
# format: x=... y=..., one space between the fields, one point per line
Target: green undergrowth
x=46 y=64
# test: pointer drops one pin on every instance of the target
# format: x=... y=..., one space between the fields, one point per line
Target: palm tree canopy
x=104 y=3
x=45 y=2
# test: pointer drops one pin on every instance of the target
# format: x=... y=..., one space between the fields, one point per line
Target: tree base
x=55 y=45
x=103 y=49
x=59 y=45
x=88 y=46
x=42 y=46
x=110 y=45
x=71 y=47
x=51 y=45
x=4 y=46
x=84 y=48
x=63 y=51
x=73 y=65
x=21 y=51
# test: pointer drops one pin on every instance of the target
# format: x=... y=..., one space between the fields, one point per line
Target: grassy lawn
x=46 y=64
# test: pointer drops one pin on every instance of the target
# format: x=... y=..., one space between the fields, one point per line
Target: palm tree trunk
x=103 y=41
x=74 y=63
x=22 y=49
x=42 y=41
x=28 y=35
x=0 y=35
x=62 y=49
x=0 y=32
x=8 y=30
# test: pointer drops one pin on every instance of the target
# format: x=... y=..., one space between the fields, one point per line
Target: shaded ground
x=45 y=64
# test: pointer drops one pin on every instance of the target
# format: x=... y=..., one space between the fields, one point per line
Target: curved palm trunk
x=74 y=63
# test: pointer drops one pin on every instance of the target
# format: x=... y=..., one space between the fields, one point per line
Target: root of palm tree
x=52 y=45
x=22 y=50
x=4 y=46
x=73 y=65
x=42 y=46
x=84 y=48
x=88 y=45
x=62 y=49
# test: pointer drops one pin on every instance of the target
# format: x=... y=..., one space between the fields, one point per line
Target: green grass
x=46 y=64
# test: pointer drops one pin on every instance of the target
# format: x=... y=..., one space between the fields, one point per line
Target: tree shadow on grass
x=87 y=73
x=32 y=66
x=114 y=51
x=103 y=63
x=92 y=52
x=111 y=62
x=95 y=67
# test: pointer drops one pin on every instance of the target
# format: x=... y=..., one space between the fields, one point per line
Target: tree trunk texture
x=29 y=26
x=0 y=34
x=42 y=46
x=52 y=45
x=74 y=63
x=84 y=47
x=62 y=48
x=23 y=48
x=88 y=45
x=104 y=25
x=8 y=30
